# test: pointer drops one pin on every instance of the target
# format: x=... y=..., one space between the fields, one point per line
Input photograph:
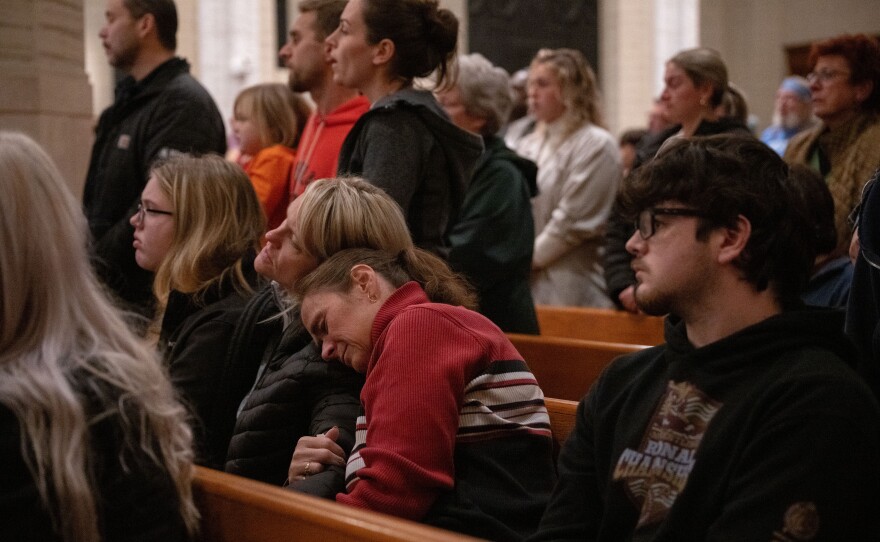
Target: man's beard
x=124 y=59
x=653 y=305
x=298 y=84
x=790 y=121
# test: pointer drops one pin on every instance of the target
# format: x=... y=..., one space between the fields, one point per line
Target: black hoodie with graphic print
x=767 y=434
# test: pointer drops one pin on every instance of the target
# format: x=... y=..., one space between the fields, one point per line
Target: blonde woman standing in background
x=578 y=177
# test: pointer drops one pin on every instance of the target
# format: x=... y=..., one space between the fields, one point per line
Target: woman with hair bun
x=449 y=409
x=405 y=144
x=696 y=85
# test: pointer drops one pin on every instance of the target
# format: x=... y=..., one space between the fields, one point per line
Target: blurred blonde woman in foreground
x=93 y=444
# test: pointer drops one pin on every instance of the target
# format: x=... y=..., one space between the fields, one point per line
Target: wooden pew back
x=563 y=415
x=236 y=509
x=566 y=368
x=599 y=325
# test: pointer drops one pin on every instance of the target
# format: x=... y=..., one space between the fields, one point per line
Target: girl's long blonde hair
x=218 y=221
x=61 y=341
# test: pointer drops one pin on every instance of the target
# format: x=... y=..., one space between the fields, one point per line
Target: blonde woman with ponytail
x=92 y=442
x=449 y=407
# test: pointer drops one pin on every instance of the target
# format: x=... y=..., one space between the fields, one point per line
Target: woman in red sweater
x=450 y=409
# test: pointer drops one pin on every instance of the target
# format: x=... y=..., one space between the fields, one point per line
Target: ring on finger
x=307 y=472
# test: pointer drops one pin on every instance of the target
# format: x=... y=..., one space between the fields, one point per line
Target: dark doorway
x=510 y=32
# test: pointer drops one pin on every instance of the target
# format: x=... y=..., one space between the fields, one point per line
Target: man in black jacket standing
x=159 y=109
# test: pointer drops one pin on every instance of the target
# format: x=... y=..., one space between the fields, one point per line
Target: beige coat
x=578 y=179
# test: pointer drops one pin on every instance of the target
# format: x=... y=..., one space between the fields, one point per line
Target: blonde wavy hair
x=218 y=222
x=580 y=93
x=58 y=330
x=348 y=212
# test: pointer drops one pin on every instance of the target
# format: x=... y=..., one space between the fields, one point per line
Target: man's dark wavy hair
x=165 y=14
x=725 y=176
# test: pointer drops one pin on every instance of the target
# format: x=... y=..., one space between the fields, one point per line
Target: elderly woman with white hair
x=493 y=240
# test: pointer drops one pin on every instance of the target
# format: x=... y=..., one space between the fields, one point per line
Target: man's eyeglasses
x=646 y=223
x=823 y=76
x=142 y=211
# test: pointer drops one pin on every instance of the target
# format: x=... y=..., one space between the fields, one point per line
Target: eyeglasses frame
x=142 y=212
x=654 y=212
x=824 y=76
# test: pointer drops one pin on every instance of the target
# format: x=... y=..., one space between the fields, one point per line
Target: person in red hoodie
x=337 y=108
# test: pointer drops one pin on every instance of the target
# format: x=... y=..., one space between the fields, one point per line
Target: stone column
x=44 y=90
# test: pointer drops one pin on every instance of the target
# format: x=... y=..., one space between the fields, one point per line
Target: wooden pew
x=566 y=368
x=599 y=325
x=236 y=509
x=562 y=414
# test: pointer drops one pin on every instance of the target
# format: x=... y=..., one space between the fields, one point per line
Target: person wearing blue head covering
x=792 y=113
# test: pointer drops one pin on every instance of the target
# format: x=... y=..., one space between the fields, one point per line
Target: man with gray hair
x=792 y=113
x=159 y=109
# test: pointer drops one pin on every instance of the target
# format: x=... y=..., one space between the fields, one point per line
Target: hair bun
x=443 y=31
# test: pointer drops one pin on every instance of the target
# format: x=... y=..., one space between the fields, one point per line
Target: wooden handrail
x=236 y=509
x=599 y=325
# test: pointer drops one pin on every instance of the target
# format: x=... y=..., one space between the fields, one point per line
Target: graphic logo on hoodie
x=657 y=472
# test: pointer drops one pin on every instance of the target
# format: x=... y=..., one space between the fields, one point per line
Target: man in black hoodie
x=749 y=423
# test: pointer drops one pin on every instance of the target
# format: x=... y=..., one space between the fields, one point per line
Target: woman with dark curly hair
x=845 y=85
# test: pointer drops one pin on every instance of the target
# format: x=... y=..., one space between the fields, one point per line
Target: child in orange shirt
x=267 y=122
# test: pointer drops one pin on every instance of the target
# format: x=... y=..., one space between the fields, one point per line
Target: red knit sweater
x=442 y=383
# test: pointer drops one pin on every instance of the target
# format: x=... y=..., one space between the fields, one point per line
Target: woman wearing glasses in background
x=845 y=83
x=198 y=229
